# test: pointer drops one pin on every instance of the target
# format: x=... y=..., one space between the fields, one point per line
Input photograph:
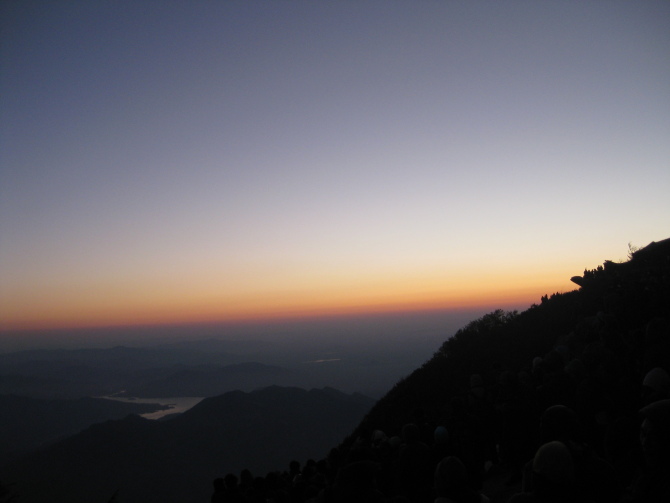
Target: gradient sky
x=198 y=160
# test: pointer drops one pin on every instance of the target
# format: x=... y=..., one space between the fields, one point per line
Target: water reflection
x=175 y=405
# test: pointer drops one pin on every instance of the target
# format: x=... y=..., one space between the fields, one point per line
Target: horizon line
x=271 y=318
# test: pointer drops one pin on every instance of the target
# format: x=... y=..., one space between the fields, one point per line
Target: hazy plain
x=363 y=353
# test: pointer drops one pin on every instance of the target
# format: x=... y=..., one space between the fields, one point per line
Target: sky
x=185 y=161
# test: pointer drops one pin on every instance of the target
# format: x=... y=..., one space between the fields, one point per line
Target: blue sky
x=166 y=161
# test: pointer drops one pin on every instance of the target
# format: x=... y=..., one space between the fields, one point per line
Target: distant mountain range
x=209 y=380
x=154 y=372
x=357 y=362
x=137 y=372
x=176 y=459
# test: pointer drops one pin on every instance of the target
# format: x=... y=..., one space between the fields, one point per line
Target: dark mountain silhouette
x=619 y=297
x=601 y=352
x=176 y=459
x=28 y=423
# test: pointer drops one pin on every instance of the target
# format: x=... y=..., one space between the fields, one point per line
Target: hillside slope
x=28 y=423
x=175 y=460
x=621 y=310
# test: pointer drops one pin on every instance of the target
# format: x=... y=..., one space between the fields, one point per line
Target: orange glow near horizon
x=164 y=306
x=318 y=165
